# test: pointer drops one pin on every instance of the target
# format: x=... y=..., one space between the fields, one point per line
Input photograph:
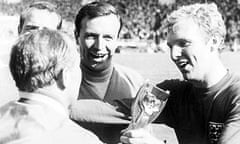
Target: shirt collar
x=46 y=100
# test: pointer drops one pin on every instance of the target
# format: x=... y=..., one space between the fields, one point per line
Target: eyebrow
x=30 y=27
x=90 y=34
x=185 y=40
x=108 y=36
x=94 y=34
x=178 y=40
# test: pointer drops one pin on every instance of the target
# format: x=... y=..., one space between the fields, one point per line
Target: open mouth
x=182 y=64
x=98 y=56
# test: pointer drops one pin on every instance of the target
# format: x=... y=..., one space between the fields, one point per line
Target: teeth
x=182 y=64
x=98 y=54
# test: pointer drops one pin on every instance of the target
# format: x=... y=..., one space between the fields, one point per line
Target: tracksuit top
x=204 y=115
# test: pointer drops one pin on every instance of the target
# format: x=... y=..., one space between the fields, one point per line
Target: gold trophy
x=149 y=103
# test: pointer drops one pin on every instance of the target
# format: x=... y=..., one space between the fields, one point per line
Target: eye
x=30 y=27
x=183 y=43
x=90 y=36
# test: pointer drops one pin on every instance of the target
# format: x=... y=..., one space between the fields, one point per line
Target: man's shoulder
x=231 y=84
x=232 y=87
x=74 y=134
x=13 y=109
x=62 y=135
x=235 y=79
x=129 y=74
x=15 y=121
x=126 y=70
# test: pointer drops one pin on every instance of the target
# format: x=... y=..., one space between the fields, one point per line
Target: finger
x=139 y=136
x=124 y=131
x=137 y=133
x=124 y=139
x=127 y=140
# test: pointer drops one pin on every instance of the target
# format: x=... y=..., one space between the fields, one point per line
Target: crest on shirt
x=214 y=131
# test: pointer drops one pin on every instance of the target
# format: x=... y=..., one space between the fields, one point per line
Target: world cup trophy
x=149 y=103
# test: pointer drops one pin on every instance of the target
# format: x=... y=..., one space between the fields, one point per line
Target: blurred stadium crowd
x=143 y=20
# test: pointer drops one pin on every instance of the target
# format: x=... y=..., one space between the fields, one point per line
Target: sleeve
x=96 y=111
x=231 y=131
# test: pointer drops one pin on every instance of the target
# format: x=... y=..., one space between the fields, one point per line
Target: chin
x=192 y=79
x=187 y=76
x=98 y=66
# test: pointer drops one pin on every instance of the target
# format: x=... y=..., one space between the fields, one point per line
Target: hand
x=139 y=136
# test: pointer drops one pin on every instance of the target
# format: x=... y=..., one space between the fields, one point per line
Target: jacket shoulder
x=128 y=73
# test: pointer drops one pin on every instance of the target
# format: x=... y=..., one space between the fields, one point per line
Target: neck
x=96 y=75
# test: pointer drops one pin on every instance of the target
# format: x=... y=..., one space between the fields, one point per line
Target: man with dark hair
x=204 y=108
x=97 y=27
x=38 y=15
x=43 y=64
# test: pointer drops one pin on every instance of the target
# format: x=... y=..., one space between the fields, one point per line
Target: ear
x=77 y=39
x=76 y=34
x=19 y=29
x=61 y=79
x=215 y=43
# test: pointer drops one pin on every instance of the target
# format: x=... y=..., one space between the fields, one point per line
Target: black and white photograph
x=119 y=72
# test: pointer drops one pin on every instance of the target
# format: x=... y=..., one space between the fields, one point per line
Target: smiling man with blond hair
x=204 y=108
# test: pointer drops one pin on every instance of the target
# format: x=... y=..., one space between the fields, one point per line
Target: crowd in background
x=143 y=19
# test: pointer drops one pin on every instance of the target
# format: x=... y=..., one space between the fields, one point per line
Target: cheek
x=112 y=45
x=85 y=43
x=200 y=60
x=84 y=46
x=193 y=53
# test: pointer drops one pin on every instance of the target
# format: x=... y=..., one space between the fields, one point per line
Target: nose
x=176 y=52
x=100 y=43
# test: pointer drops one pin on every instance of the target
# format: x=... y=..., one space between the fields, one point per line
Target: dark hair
x=93 y=10
x=38 y=56
x=40 y=5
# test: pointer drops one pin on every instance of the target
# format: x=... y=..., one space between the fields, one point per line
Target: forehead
x=42 y=18
x=186 y=29
x=103 y=24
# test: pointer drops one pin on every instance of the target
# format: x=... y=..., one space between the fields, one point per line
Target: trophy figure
x=149 y=103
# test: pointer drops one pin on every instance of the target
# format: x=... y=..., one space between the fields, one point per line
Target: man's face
x=97 y=41
x=190 y=49
x=39 y=19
